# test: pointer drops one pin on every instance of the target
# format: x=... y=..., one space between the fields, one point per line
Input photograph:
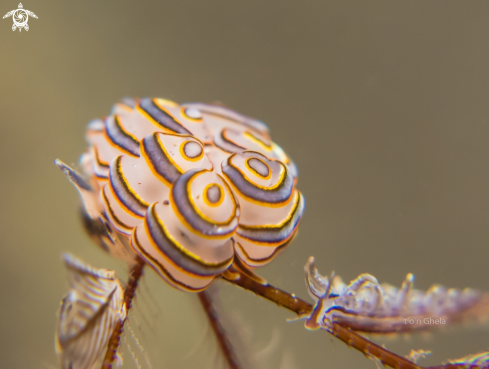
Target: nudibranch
x=188 y=188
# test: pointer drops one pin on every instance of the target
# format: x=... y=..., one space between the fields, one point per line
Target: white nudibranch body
x=187 y=187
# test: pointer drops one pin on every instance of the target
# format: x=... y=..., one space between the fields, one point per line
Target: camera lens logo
x=20 y=17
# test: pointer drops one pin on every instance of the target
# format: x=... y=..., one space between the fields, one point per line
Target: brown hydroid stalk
x=129 y=292
x=205 y=299
x=301 y=307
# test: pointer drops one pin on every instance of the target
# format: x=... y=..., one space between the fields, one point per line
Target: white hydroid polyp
x=88 y=315
x=366 y=305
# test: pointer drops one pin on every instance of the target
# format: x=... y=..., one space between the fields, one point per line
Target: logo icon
x=20 y=17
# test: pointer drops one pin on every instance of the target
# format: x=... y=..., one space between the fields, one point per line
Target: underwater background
x=383 y=106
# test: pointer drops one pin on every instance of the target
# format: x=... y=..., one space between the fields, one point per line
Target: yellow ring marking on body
x=122 y=205
x=206 y=199
x=202 y=215
x=119 y=125
x=128 y=189
x=251 y=169
x=177 y=120
x=270 y=244
x=160 y=269
x=226 y=138
x=113 y=144
x=160 y=127
x=99 y=177
x=263 y=261
x=189 y=226
x=282 y=156
x=151 y=166
x=160 y=144
x=256 y=140
x=292 y=212
x=235 y=120
x=97 y=158
x=257 y=202
x=165 y=152
x=185 y=156
x=160 y=101
x=167 y=259
x=193 y=120
x=111 y=211
x=248 y=179
x=174 y=241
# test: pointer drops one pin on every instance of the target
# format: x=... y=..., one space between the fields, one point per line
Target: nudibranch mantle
x=187 y=188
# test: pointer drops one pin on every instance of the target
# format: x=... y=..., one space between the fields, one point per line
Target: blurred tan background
x=383 y=105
